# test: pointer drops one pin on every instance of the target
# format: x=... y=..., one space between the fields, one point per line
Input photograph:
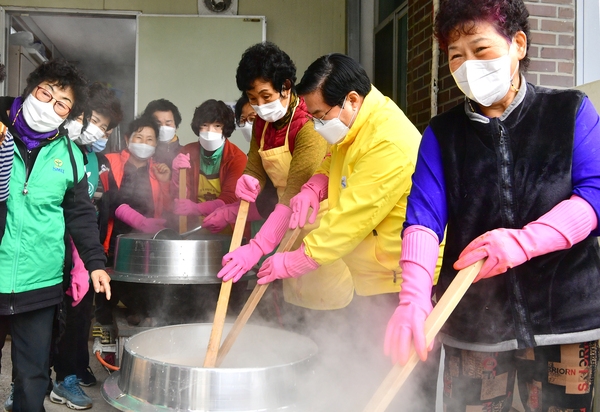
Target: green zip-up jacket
x=44 y=200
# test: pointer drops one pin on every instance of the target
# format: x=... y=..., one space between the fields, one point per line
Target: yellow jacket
x=369 y=181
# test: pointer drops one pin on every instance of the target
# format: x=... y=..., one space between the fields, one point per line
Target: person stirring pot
x=285 y=149
x=513 y=173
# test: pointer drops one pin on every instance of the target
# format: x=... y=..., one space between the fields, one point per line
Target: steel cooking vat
x=196 y=260
x=162 y=371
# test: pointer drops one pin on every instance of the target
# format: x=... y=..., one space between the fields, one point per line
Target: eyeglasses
x=320 y=119
x=242 y=122
x=45 y=96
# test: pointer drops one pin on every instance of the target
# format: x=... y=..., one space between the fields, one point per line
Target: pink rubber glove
x=567 y=223
x=226 y=215
x=80 y=278
x=241 y=260
x=312 y=193
x=136 y=220
x=286 y=265
x=186 y=207
x=420 y=249
x=181 y=161
x=247 y=188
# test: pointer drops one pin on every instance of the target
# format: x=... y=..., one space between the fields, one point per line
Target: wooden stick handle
x=251 y=303
x=221 y=311
x=436 y=319
x=182 y=195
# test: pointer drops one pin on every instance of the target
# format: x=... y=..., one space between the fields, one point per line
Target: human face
x=63 y=97
x=322 y=111
x=216 y=127
x=144 y=135
x=248 y=115
x=100 y=120
x=262 y=92
x=484 y=42
x=164 y=118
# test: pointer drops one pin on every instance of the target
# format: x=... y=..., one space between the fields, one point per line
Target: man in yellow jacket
x=367 y=179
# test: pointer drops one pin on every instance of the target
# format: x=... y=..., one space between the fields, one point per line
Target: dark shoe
x=88 y=378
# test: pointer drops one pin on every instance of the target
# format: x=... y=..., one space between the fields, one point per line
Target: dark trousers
x=30 y=353
x=72 y=356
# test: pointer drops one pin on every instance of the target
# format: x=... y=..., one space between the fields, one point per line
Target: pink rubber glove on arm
x=80 y=278
x=136 y=220
x=286 y=265
x=311 y=194
x=181 y=161
x=247 y=188
x=566 y=224
x=420 y=249
x=226 y=215
x=241 y=260
x=185 y=207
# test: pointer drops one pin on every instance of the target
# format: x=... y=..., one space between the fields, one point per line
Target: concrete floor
x=93 y=392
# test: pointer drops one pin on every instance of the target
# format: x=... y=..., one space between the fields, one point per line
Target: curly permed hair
x=64 y=74
x=103 y=101
x=268 y=62
x=139 y=123
x=163 y=105
x=212 y=111
x=456 y=17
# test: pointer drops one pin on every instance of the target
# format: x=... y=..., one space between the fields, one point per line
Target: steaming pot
x=162 y=370
x=196 y=260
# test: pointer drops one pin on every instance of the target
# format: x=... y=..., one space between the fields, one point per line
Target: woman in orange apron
x=286 y=150
x=216 y=164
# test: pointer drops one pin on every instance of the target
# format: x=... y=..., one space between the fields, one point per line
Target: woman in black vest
x=512 y=175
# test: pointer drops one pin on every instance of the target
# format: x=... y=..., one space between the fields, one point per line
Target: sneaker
x=87 y=378
x=9 y=401
x=69 y=392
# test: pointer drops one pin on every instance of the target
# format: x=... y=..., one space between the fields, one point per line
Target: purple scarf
x=30 y=137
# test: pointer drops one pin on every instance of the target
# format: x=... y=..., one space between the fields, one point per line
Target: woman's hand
x=101 y=282
x=162 y=172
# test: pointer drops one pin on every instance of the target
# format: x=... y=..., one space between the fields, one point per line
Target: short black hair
x=163 y=105
x=64 y=74
x=239 y=105
x=335 y=75
x=268 y=62
x=139 y=123
x=212 y=111
x=105 y=102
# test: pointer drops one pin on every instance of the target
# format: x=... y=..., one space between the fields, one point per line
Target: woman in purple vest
x=512 y=174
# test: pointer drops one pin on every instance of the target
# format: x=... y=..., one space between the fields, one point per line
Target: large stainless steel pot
x=162 y=371
x=141 y=259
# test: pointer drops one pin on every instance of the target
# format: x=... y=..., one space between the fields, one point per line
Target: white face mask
x=74 y=129
x=485 y=81
x=166 y=133
x=41 y=117
x=141 y=150
x=333 y=130
x=90 y=135
x=211 y=141
x=246 y=130
x=270 y=112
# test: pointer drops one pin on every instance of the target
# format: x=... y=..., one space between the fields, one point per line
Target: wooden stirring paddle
x=436 y=319
x=217 y=329
x=251 y=303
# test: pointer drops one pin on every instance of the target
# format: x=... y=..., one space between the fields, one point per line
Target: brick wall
x=552 y=54
x=552 y=49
